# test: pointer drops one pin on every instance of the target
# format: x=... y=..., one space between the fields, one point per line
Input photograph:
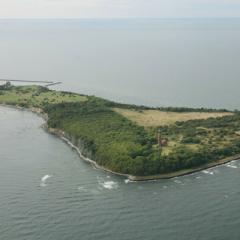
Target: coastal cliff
x=125 y=139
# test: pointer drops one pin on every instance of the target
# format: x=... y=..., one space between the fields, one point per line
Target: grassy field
x=154 y=118
x=124 y=140
x=37 y=97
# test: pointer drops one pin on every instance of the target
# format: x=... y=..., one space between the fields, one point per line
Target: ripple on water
x=79 y=204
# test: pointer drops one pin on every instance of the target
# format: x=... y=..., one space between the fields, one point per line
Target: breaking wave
x=230 y=165
x=44 y=179
x=108 y=184
x=208 y=172
x=126 y=181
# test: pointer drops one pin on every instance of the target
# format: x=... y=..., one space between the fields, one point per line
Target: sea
x=47 y=192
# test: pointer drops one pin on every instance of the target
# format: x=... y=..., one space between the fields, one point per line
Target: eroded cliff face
x=39 y=112
x=79 y=143
x=56 y=132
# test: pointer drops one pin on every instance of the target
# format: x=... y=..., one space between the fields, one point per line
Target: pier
x=46 y=83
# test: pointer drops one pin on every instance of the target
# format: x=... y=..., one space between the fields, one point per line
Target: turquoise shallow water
x=76 y=201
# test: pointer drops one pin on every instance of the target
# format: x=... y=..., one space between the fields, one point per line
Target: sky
x=119 y=8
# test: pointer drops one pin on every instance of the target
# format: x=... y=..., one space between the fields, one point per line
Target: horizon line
x=114 y=18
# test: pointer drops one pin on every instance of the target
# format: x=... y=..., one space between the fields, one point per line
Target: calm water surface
x=153 y=62
x=47 y=192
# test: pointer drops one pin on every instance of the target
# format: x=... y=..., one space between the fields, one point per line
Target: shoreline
x=61 y=135
x=185 y=172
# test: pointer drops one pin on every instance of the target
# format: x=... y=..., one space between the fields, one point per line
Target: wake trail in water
x=44 y=179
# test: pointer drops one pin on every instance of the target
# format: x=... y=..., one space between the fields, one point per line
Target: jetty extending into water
x=45 y=83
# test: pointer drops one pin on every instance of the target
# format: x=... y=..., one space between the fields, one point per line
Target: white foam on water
x=178 y=181
x=165 y=187
x=82 y=189
x=107 y=184
x=44 y=179
x=208 y=172
x=126 y=181
x=231 y=166
x=198 y=177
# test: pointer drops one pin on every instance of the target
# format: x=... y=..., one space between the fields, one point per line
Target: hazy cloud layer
x=118 y=8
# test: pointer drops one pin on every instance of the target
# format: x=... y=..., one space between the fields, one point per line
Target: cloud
x=118 y=8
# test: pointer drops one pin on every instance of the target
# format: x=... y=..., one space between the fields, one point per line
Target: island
x=139 y=142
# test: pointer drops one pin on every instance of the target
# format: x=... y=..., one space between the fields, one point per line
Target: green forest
x=125 y=147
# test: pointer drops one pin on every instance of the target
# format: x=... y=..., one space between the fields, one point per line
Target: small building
x=164 y=142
